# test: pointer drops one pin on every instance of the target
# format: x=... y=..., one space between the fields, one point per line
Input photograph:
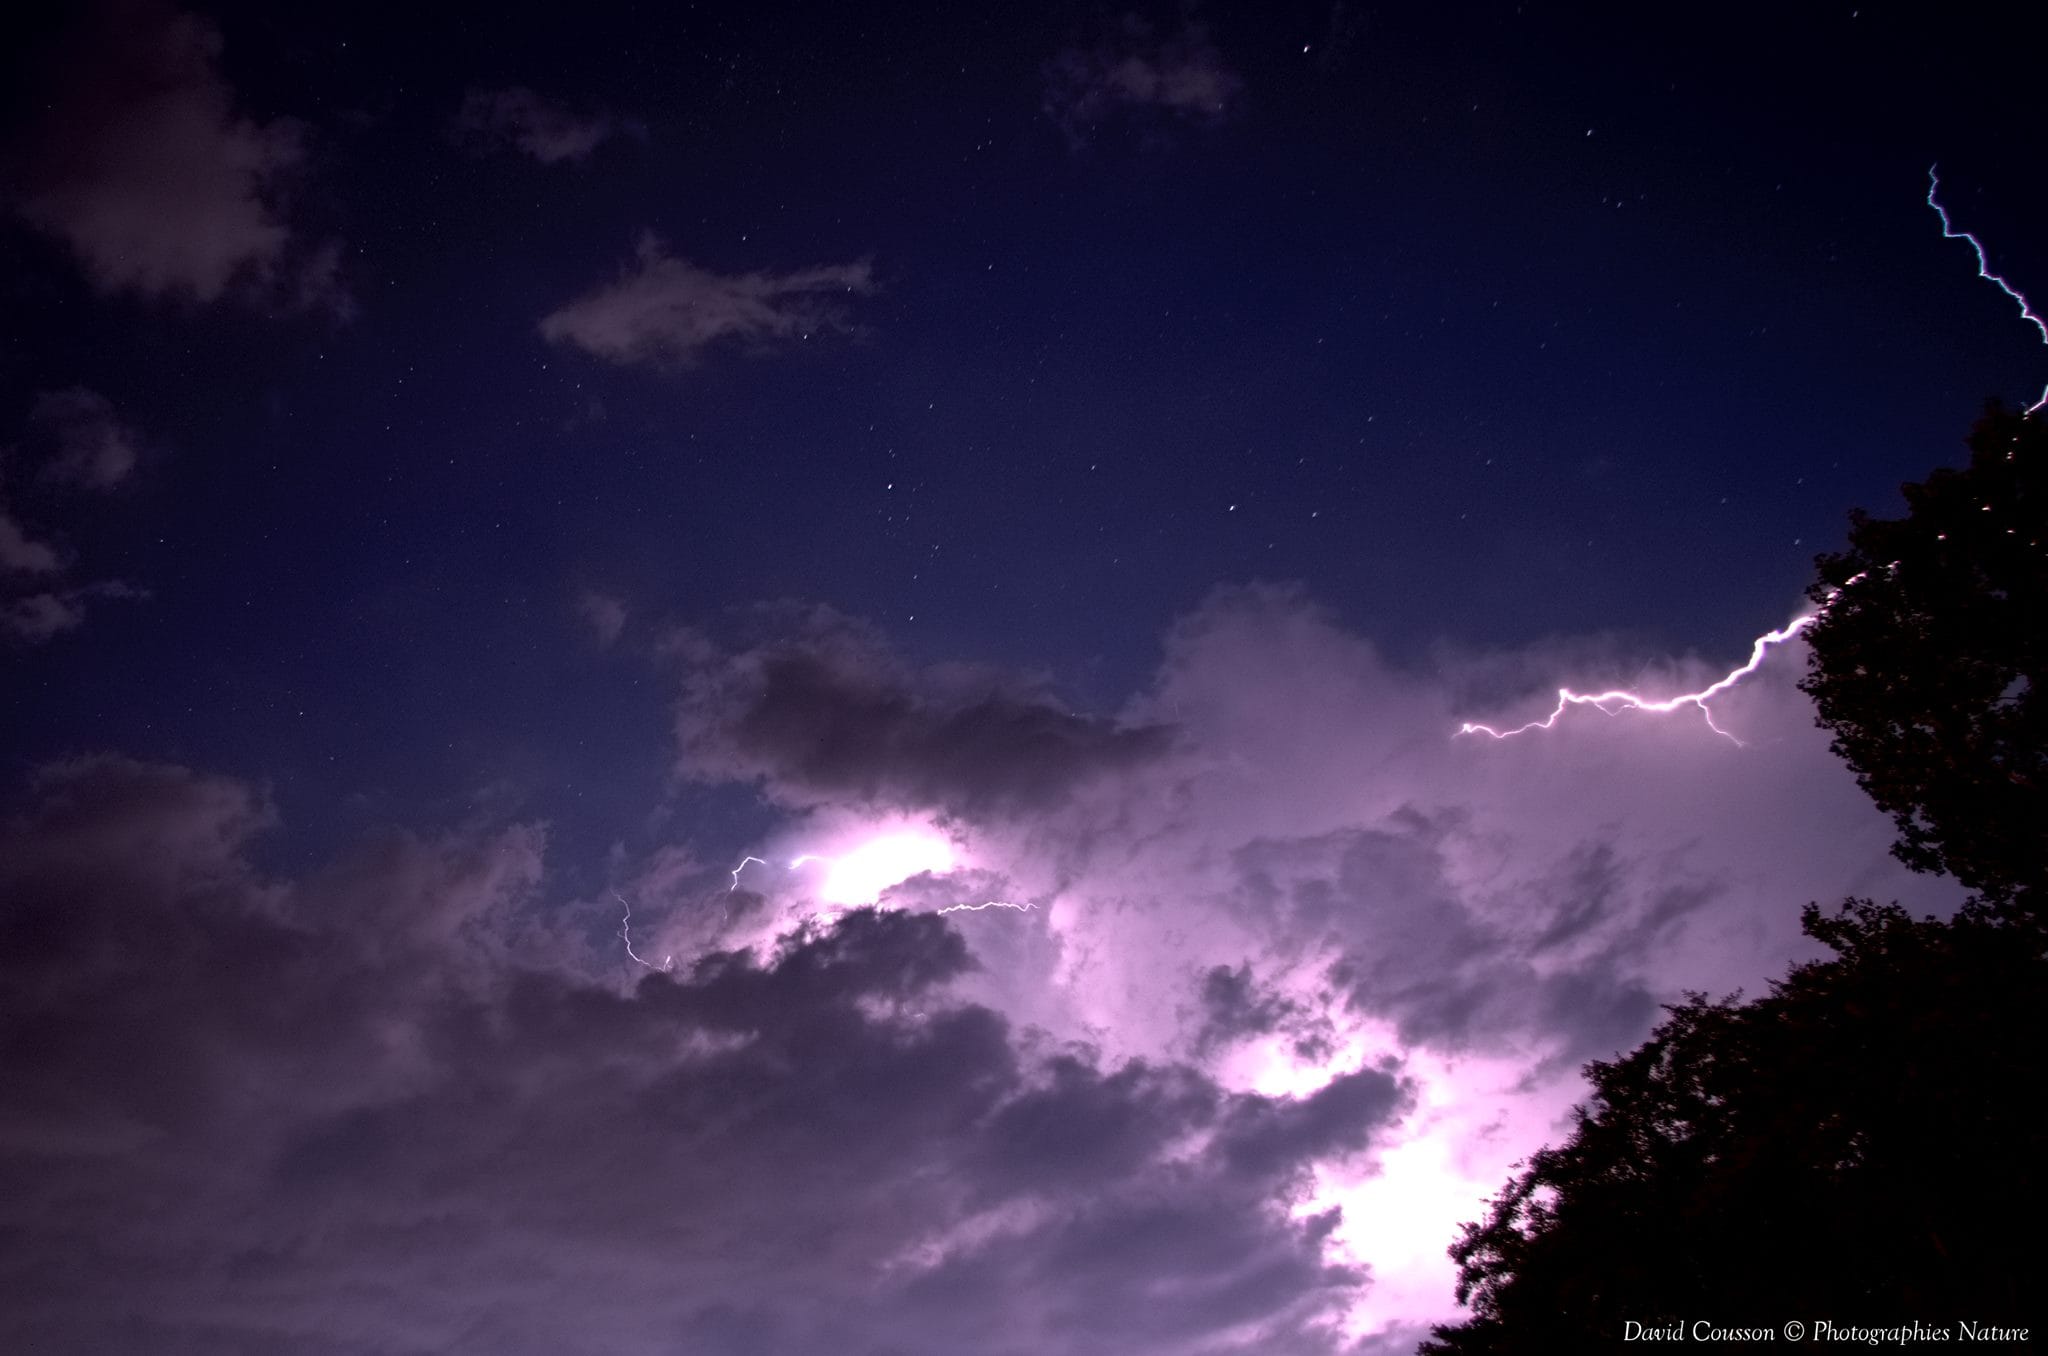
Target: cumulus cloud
x=1280 y=864
x=827 y=714
x=1139 y=71
x=548 y=131
x=1304 y=975
x=137 y=159
x=666 y=312
x=397 y=1076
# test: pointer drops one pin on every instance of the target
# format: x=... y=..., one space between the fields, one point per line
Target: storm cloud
x=1301 y=974
x=331 y=1089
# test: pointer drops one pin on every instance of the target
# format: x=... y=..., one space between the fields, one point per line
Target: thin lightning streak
x=626 y=936
x=741 y=867
x=991 y=904
x=1949 y=232
x=1610 y=703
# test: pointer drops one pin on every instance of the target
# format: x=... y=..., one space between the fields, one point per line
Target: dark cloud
x=1268 y=1137
x=1306 y=874
x=1137 y=70
x=666 y=312
x=1414 y=945
x=22 y=553
x=72 y=442
x=833 y=716
x=76 y=438
x=549 y=131
x=383 y=1109
x=137 y=160
x=1235 y=1006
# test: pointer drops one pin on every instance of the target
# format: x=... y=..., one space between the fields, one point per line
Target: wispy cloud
x=1137 y=70
x=73 y=443
x=664 y=311
x=79 y=441
x=549 y=131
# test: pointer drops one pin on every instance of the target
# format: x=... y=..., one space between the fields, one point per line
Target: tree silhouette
x=1861 y=1143
x=1929 y=655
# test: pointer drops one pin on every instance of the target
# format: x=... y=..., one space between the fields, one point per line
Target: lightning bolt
x=1612 y=703
x=1949 y=232
x=626 y=935
x=741 y=867
x=991 y=904
x=1615 y=702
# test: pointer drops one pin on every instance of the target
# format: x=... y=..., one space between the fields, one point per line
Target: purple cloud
x=138 y=161
x=395 y=1077
x=1299 y=983
x=666 y=312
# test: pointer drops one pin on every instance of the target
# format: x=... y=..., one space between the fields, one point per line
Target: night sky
x=465 y=474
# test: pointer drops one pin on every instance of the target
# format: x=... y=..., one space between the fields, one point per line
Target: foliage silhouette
x=1928 y=668
x=1861 y=1144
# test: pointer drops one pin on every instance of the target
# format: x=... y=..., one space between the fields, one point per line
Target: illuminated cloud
x=398 y=1066
x=1295 y=990
x=137 y=159
x=1315 y=873
x=666 y=312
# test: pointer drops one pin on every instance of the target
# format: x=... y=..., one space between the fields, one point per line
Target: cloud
x=22 y=553
x=665 y=312
x=1137 y=71
x=604 y=615
x=1305 y=974
x=73 y=443
x=521 y=119
x=137 y=159
x=32 y=618
x=1279 y=864
x=397 y=1076
x=829 y=715
x=79 y=441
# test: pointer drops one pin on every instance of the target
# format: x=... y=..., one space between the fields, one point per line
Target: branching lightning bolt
x=991 y=904
x=741 y=867
x=1949 y=232
x=1611 y=703
x=626 y=936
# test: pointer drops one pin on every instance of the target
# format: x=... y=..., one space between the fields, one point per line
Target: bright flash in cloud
x=860 y=874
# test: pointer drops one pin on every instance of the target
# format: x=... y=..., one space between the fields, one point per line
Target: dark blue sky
x=1484 y=325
